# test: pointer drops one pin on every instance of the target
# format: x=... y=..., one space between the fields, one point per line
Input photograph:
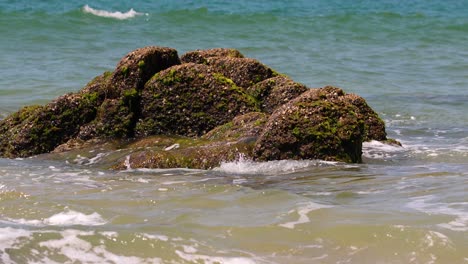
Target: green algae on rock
x=138 y=66
x=319 y=124
x=201 y=56
x=156 y=110
x=189 y=100
x=275 y=91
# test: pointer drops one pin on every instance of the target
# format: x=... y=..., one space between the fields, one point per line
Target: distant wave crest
x=117 y=15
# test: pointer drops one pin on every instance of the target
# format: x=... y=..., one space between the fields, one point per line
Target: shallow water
x=403 y=205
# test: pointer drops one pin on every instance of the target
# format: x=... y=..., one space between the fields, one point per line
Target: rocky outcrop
x=207 y=107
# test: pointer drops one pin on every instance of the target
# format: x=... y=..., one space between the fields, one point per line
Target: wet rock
x=138 y=66
x=189 y=153
x=190 y=100
x=39 y=129
x=201 y=56
x=211 y=106
x=374 y=126
x=319 y=124
x=244 y=72
x=276 y=91
x=246 y=127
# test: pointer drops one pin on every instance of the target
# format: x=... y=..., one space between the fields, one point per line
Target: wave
x=67 y=218
x=246 y=166
x=117 y=15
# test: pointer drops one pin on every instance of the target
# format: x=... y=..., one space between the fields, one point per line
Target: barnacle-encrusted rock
x=207 y=107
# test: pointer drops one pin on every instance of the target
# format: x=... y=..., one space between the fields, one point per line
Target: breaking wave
x=108 y=14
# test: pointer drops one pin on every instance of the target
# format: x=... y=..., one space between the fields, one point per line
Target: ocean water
x=408 y=59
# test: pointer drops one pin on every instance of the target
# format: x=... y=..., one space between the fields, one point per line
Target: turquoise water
x=408 y=59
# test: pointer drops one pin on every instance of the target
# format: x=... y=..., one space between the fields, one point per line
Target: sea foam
x=67 y=218
x=427 y=205
x=117 y=15
x=378 y=150
x=303 y=211
x=246 y=166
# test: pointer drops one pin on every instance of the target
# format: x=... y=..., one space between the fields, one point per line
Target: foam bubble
x=117 y=15
x=303 y=212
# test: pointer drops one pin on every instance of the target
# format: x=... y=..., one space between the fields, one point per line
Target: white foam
x=303 y=212
x=423 y=204
x=117 y=15
x=75 y=218
x=175 y=146
x=110 y=234
x=127 y=163
x=156 y=237
x=68 y=218
x=8 y=238
x=73 y=246
x=89 y=161
x=245 y=166
x=198 y=258
x=378 y=150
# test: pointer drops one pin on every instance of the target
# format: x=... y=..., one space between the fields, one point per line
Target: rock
x=190 y=100
x=39 y=129
x=201 y=56
x=138 y=66
x=190 y=153
x=118 y=114
x=244 y=72
x=211 y=106
x=247 y=127
x=374 y=126
x=275 y=91
x=319 y=124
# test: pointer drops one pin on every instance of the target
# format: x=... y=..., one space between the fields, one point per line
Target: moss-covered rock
x=176 y=152
x=201 y=56
x=244 y=72
x=374 y=126
x=138 y=66
x=189 y=100
x=39 y=129
x=319 y=124
x=216 y=106
x=246 y=127
x=275 y=91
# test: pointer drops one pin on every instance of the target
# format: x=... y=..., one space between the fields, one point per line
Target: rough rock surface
x=201 y=56
x=275 y=91
x=190 y=100
x=196 y=111
x=319 y=124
